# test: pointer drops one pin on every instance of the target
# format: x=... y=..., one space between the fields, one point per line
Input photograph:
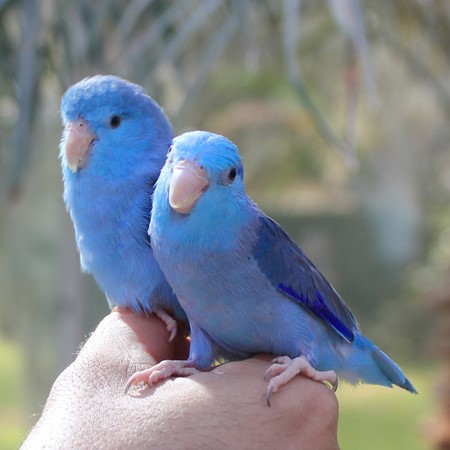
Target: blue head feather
x=217 y=155
x=129 y=149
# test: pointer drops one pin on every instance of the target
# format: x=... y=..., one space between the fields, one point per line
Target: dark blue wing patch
x=290 y=272
x=320 y=309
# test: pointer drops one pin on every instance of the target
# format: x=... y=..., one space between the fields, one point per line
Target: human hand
x=225 y=408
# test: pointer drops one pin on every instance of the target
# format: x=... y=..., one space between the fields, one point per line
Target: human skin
x=221 y=409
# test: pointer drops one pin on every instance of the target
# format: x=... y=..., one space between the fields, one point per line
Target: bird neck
x=109 y=204
x=204 y=229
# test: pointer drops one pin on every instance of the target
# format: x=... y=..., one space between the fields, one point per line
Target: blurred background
x=341 y=111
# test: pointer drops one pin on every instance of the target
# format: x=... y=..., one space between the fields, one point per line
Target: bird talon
x=335 y=385
x=169 y=321
x=127 y=388
x=268 y=394
x=134 y=380
x=130 y=383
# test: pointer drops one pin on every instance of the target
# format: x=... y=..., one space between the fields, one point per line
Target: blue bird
x=114 y=144
x=245 y=285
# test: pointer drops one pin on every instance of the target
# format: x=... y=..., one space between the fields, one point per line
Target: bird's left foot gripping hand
x=170 y=322
x=284 y=369
x=161 y=371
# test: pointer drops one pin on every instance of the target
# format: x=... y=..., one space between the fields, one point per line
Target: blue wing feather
x=294 y=275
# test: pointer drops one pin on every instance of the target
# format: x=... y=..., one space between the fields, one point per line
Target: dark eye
x=232 y=173
x=115 y=121
x=170 y=149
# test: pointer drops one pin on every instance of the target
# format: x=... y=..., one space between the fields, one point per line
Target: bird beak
x=188 y=182
x=79 y=138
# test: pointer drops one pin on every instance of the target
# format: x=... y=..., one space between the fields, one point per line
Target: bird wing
x=291 y=272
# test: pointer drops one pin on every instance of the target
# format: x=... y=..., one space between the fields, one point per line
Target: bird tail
x=374 y=367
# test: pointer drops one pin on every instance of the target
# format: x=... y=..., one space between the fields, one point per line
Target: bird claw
x=335 y=385
x=159 y=372
x=268 y=394
x=278 y=366
x=284 y=369
x=171 y=323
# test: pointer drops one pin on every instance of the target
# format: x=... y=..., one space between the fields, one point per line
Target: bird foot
x=283 y=369
x=161 y=371
x=170 y=322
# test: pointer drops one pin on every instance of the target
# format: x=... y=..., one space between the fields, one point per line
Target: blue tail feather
x=391 y=370
x=365 y=362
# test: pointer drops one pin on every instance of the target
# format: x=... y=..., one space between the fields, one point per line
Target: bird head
x=201 y=167
x=112 y=128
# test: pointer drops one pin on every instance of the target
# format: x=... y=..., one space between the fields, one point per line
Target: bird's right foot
x=283 y=369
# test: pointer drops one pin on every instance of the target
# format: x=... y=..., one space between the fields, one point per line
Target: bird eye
x=170 y=149
x=115 y=121
x=232 y=174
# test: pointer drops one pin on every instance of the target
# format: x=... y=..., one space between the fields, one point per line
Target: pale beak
x=188 y=183
x=79 y=138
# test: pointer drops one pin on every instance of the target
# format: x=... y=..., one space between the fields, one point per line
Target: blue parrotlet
x=114 y=143
x=245 y=285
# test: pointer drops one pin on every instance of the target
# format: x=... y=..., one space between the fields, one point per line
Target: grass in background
x=12 y=410
x=374 y=418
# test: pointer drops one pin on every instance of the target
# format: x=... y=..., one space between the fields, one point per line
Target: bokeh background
x=341 y=111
